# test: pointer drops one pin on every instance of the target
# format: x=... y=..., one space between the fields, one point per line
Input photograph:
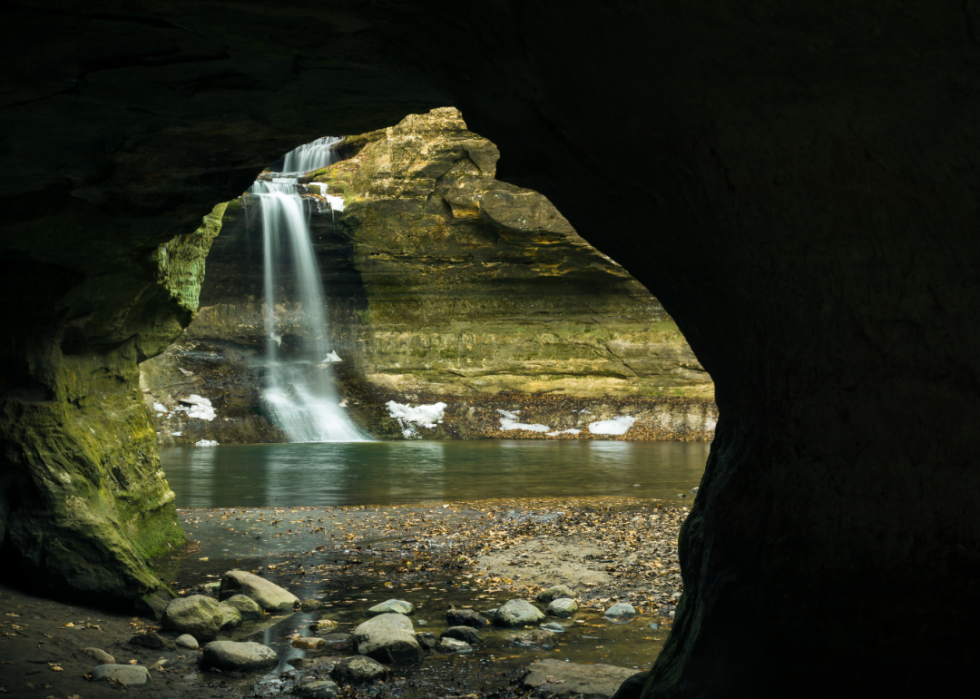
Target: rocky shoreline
x=319 y=575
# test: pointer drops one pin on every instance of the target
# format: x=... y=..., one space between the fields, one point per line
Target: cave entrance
x=534 y=414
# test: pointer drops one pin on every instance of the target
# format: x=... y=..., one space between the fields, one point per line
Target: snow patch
x=336 y=203
x=509 y=422
x=571 y=431
x=206 y=443
x=421 y=415
x=618 y=425
x=176 y=434
x=333 y=357
x=198 y=407
x=160 y=408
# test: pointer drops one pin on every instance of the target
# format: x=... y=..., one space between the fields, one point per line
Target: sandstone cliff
x=443 y=285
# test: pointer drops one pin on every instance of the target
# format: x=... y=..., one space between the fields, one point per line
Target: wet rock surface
x=238 y=657
x=126 y=675
x=554 y=678
x=197 y=615
x=517 y=612
x=388 y=638
x=358 y=670
x=266 y=594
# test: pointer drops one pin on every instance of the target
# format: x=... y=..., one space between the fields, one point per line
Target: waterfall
x=310 y=156
x=299 y=389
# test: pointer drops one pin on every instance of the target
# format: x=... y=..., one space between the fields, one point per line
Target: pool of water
x=382 y=473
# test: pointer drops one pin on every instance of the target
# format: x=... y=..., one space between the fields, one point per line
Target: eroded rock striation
x=445 y=287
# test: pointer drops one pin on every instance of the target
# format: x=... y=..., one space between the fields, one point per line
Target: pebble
x=563 y=608
x=452 y=645
x=553 y=593
x=623 y=610
x=517 y=612
x=309 y=643
x=553 y=627
x=187 y=641
x=393 y=606
x=129 y=675
x=100 y=655
x=358 y=669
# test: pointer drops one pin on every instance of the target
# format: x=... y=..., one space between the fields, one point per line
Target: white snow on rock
x=197 y=406
x=333 y=357
x=206 y=443
x=618 y=425
x=571 y=431
x=421 y=415
x=176 y=434
x=336 y=203
x=509 y=422
x=160 y=408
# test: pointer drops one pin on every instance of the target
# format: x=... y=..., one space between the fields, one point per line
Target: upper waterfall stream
x=299 y=390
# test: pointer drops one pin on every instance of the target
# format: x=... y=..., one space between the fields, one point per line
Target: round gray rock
x=129 y=675
x=562 y=607
x=230 y=617
x=311 y=605
x=452 y=645
x=240 y=657
x=393 y=606
x=187 y=641
x=100 y=656
x=323 y=689
x=623 y=610
x=466 y=617
x=197 y=615
x=542 y=638
x=553 y=593
x=246 y=606
x=357 y=670
x=517 y=612
x=427 y=640
x=388 y=638
x=463 y=633
x=268 y=595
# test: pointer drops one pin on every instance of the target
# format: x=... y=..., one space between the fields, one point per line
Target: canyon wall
x=444 y=285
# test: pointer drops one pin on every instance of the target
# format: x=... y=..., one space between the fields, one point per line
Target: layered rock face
x=444 y=285
x=799 y=192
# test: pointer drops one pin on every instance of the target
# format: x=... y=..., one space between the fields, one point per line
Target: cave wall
x=800 y=194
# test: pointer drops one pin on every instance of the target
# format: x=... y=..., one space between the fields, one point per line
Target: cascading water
x=310 y=156
x=299 y=390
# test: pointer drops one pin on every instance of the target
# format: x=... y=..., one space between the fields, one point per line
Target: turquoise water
x=385 y=473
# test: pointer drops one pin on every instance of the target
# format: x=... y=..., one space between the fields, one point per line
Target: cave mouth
x=574 y=421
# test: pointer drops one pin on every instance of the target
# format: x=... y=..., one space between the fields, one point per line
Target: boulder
x=197 y=615
x=393 y=606
x=466 y=617
x=238 y=657
x=542 y=638
x=553 y=593
x=563 y=607
x=246 y=606
x=517 y=612
x=632 y=686
x=388 y=638
x=623 y=610
x=230 y=616
x=357 y=670
x=452 y=645
x=324 y=626
x=266 y=594
x=463 y=633
x=153 y=641
x=561 y=680
x=100 y=655
x=322 y=689
x=187 y=641
x=129 y=675
x=311 y=605
x=427 y=640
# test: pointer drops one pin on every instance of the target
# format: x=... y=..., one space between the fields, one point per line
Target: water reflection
x=362 y=473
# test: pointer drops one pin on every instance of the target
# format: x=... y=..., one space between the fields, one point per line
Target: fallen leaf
x=57 y=668
x=133 y=661
x=69 y=625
